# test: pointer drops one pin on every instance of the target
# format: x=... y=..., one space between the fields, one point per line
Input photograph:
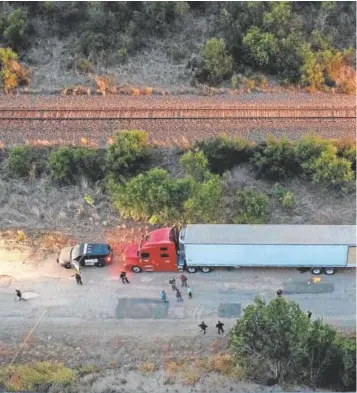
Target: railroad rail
x=179 y=113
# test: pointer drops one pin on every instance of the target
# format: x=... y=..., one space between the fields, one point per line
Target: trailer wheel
x=317 y=270
x=330 y=271
x=205 y=269
x=191 y=269
x=136 y=269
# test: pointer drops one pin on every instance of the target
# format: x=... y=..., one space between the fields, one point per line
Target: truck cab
x=157 y=251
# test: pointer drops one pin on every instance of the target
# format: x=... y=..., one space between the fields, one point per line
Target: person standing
x=78 y=278
x=178 y=295
x=279 y=292
x=183 y=279
x=163 y=296
x=124 y=278
x=203 y=327
x=309 y=313
x=172 y=282
x=189 y=292
x=19 y=295
x=219 y=326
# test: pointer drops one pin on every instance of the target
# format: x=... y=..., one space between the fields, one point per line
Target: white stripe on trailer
x=85 y=249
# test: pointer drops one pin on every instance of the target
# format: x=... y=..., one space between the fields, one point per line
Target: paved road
x=62 y=309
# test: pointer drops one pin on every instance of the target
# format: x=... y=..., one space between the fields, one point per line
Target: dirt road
x=105 y=321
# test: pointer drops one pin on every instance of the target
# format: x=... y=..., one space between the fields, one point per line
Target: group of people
x=219 y=326
x=184 y=284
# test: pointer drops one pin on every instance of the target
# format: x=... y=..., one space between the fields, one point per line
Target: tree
x=206 y=202
x=15 y=31
x=329 y=169
x=250 y=207
x=217 y=65
x=152 y=196
x=277 y=341
x=20 y=161
x=275 y=159
x=69 y=164
x=262 y=47
x=129 y=151
x=195 y=164
x=224 y=153
x=312 y=72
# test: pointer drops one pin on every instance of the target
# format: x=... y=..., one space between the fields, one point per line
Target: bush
x=285 y=197
x=330 y=170
x=195 y=164
x=309 y=148
x=69 y=164
x=25 y=161
x=250 y=207
x=224 y=153
x=129 y=151
x=84 y=65
x=206 y=202
x=152 y=196
x=275 y=160
x=276 y=342
x=217 y=65
x=15 y=31
x=39 y=376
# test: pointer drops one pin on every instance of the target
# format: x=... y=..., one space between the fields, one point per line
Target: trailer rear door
x=351 y=258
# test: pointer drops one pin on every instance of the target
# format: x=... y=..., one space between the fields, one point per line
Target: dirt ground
x=89 y=325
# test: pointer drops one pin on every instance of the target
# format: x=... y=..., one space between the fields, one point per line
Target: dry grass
x=190 y=376
x=147 y=368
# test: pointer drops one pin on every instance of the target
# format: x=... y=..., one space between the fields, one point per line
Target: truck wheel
x=205 y=269
x=317 y=270
x=136 y=269
x=67 y=266
x=100 y=264
x=330 y=271
x=191 y=269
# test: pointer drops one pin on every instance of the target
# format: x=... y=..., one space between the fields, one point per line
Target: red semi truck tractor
x=322 y=248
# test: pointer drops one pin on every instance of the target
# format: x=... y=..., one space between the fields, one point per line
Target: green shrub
x=206 y=202
x=223 y=153
x=288 y=200
x=250 y=207
x=38 y=376
x=330 y=170
x=275 y=159
x=195 y=164
x=129 y=151
x=309 y=147
x=217 y=65
x=123 y=56
x=84 y=65
x=69 y=164
x=277 y=342
x=15 y=31
x=285 y=197
x=235 y=81
x=25 y=161
x=152 y=196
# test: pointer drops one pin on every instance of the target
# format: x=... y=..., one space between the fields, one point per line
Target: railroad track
x=180 y=113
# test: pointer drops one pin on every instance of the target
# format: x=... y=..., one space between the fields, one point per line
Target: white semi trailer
x=323 y=248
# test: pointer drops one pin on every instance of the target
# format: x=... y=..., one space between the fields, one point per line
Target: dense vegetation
x=310 y=43
x=277 y=343
x=201 y=193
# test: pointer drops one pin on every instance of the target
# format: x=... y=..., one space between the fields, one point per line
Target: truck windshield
x=76 y=252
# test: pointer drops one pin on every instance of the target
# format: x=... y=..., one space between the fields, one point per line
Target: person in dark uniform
x=279 y=292
x=19 y=295
x=78 y=278
x=309 y=313
x=172 y=282
x=219 y=326
x=123 y=278
x=178 y=295
x=183 y=279
x=203 y=327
